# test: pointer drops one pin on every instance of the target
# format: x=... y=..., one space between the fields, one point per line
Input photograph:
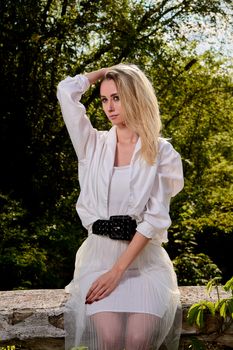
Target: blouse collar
x=112 y=140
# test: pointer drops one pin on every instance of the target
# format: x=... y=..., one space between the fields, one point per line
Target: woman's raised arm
x=96 y=75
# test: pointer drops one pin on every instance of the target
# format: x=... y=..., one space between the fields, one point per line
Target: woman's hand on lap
x=103 y=286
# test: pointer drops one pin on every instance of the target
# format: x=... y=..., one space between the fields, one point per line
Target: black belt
x=121 y=227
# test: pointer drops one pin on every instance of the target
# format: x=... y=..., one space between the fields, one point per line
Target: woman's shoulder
x=166 y=148
x=164 y=143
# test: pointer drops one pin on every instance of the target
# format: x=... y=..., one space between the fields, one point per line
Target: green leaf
x=212 y=283
x=223 y=310
x=211 y=307
x=192 y=313
x=200 y=318
x=196 y=312
x=229 y=285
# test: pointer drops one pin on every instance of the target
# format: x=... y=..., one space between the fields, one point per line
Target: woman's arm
x=96 y=75
x=69 y=93
x=134 y=248
x=107 y=282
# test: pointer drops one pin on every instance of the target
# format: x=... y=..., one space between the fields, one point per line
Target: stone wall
x=33 y=319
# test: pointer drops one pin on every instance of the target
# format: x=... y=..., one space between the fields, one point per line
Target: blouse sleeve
x=82 y=133
x=168 y=182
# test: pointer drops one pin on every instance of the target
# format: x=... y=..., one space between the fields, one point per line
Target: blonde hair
x=140 y=106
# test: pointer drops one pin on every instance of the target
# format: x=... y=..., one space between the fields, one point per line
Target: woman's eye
x=103 y=100
x=116 y=98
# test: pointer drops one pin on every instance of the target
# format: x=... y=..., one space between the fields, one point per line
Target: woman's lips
x=113 y=116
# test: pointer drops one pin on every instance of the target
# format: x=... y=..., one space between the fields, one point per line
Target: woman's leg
x=140 y=331
x=110 y=330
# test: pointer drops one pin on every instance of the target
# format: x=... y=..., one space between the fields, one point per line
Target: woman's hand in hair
x=96 y=75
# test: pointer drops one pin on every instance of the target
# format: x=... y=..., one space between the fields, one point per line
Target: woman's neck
x=126 y=136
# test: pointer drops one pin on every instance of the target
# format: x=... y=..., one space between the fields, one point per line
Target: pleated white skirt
x=143 y=312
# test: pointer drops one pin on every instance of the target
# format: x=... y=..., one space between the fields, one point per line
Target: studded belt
x=121 y=227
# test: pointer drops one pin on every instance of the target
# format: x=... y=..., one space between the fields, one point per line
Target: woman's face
x=111 y=102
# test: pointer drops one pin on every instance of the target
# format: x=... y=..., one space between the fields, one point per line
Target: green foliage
x=196 y=312
x=22 y=260
x=222 y=307
x=42 y=42
x=214 y=282
x=43 y=254
x=195 y=269
x=225 y=308
x=229 y=286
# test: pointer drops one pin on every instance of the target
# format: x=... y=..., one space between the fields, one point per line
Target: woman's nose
x=111 y=106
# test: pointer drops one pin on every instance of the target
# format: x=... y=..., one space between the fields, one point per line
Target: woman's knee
x=109 y=341
x=141 y=330
x=138 y=341
x=108 y=328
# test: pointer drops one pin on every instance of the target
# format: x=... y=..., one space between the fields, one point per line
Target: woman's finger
x=95 y=295
x=94 y=287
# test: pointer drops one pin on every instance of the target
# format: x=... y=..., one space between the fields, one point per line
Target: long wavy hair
x=140 y=106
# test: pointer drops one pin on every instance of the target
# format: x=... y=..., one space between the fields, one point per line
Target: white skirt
x=143 y=312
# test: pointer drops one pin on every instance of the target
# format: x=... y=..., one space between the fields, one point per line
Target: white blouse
x=119 y=193
x=150 y=186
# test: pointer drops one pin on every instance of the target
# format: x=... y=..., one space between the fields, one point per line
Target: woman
x=124 y=293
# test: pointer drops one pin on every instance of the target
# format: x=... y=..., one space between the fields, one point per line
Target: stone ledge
x=33 y=319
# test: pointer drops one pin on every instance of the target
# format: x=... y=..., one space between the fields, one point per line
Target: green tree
x=200 y=122
x=42 y=42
